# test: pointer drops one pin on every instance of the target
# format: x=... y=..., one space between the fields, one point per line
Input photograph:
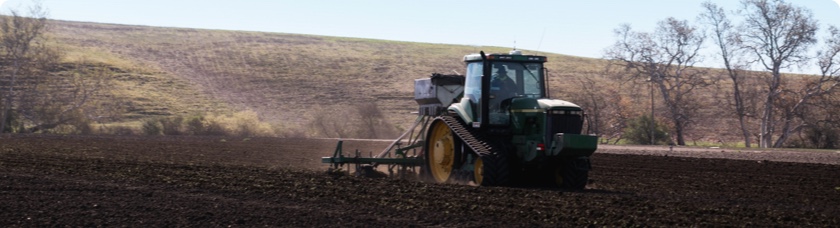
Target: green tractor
x=494 y=126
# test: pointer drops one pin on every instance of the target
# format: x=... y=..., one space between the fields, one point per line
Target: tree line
x=756 y=44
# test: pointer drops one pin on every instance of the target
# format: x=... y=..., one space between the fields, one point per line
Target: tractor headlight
x=566 y=112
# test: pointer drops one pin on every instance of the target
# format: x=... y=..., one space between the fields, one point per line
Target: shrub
x=152 y=127
x=215 y=128
x=638 y=131
x=287 y=132
x=121 y=130
x=85 y=128
x=822 y=136
x=12 y=121
x=330 y=124
x=195 y=125
x=172 y=125
x=243 y=124
x=248 y=123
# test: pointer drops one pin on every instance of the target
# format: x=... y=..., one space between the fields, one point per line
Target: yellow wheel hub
x=441 y=152
x=478 y=171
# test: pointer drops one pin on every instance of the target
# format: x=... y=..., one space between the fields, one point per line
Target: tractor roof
x=514 y=55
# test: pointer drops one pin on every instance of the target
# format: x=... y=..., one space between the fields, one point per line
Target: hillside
x=284 y=77
x=304 y=85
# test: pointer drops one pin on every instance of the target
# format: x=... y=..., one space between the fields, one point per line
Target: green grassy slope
x=284 y=77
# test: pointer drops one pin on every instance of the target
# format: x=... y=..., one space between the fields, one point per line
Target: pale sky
x=572 y=27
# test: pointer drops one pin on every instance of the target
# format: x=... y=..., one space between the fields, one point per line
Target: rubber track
x=484 y=147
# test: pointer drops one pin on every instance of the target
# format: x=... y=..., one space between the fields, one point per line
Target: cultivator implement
x=402 y=157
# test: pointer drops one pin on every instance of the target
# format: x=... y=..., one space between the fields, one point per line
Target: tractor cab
x=504 y=77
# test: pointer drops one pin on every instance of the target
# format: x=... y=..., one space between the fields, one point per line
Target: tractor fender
x=464 y=110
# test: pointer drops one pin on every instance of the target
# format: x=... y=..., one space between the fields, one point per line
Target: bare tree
x=18 y=33
x=666 y=59
x=604 y=116
x=829 y=57
x=65 y=97
x=591 y=95
x=778 y=35
x=823 y=123
x=724 y=37
x=829 y=79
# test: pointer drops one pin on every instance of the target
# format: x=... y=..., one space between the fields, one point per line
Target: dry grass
x=290 y=79
x=283 y=77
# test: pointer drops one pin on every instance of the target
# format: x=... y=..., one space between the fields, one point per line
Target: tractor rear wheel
x=440 y=151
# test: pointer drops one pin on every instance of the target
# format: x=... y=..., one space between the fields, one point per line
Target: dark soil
x=198 y=181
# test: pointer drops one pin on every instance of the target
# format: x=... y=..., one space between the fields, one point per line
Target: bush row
x=244 y=124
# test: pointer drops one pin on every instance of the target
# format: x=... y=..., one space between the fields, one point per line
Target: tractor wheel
x=440 y=152
x=491 y=170
x=572 y=174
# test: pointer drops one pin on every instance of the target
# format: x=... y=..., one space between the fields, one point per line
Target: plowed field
x=198 y=181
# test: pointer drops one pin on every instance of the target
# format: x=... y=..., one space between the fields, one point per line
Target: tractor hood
x=520 y=104
x=552 y=103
